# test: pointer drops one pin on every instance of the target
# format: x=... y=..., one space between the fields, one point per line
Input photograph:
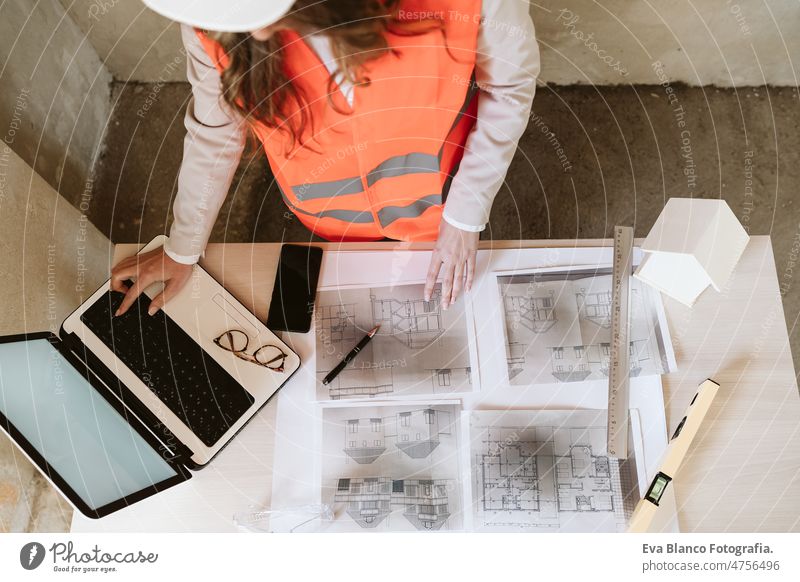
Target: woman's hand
x=454 y=258
x=148 y=268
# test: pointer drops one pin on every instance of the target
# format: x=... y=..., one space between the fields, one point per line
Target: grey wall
x=51 y=257
x=55 y=96
x=699 y=42
x=135 y=43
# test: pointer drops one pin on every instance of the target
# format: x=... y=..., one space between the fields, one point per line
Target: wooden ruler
x=619 y=363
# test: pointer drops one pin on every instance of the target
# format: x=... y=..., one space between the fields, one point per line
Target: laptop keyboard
x=179 y=372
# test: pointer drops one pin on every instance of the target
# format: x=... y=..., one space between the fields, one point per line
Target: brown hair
x=256 y=85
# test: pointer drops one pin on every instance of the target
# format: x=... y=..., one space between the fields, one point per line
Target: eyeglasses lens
x=269 y=356
x=234 y=340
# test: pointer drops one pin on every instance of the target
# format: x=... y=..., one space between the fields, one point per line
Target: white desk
x=742 y=474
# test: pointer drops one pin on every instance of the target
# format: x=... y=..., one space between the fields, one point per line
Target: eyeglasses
x=237 y=341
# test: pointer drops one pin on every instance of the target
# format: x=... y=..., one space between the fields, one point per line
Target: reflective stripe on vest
x=328 y=189
x=355 y=216
x=413 y=163
x=388 y=214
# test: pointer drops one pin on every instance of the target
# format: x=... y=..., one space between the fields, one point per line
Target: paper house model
x=693 y=244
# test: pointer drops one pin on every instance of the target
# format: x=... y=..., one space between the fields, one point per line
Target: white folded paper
x=693 y=244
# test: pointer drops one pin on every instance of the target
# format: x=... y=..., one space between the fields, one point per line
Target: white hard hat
x=227 y=16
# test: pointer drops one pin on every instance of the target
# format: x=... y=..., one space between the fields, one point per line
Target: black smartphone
x=295 y=289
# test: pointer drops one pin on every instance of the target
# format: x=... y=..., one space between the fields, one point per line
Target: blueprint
x=392 y=468
x=558 y=326
x=419 y=349
x=548 y=471
x=317 y=462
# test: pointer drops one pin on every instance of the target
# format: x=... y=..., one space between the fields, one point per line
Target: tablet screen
x=80 y=435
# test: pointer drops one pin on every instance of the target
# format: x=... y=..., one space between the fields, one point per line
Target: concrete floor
x=622 y=159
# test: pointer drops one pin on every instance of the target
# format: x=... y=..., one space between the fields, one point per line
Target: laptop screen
x=81 y=436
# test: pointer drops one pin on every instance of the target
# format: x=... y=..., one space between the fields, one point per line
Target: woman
x=380 y=119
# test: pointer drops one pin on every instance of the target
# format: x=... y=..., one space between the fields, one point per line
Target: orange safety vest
x=382 y=167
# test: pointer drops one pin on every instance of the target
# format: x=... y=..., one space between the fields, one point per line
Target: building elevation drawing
x=558 y=326
x=419 y=349
x=416 y=433
x=392 y=468
x=547 y=471
x=370 y=500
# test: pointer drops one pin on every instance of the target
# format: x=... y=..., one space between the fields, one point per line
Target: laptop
x=115 y=409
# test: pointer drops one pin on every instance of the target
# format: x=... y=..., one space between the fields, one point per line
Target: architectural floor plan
x=558 y=326
x=419 y=349
x=392 y=468
x=547 y=471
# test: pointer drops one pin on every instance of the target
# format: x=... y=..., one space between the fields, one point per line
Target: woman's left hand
x=453 y=258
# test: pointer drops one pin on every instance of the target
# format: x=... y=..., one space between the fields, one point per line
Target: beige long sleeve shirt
x=506 y=68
